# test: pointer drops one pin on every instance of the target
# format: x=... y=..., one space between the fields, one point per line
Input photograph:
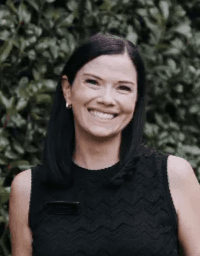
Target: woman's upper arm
x=21 y=236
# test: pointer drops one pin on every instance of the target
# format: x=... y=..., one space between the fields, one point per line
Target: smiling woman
x=105 y=74
x=99 y=131
x=100 y=190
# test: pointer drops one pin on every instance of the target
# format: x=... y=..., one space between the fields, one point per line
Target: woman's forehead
x=120 y=65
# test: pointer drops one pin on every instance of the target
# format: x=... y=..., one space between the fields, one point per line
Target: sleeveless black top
x=137 y=218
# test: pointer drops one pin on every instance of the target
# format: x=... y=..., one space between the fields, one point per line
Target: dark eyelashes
x=127 y=88
x=94 y=81
x=91 y=80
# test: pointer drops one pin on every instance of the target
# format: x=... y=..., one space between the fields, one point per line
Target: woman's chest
x=132 y=221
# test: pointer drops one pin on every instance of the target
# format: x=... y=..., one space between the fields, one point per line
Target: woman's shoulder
x=23 y=181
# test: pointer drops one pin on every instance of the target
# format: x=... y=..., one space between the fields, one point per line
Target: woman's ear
x=66 y=87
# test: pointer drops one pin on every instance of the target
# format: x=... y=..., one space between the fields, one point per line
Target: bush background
x=37 y=37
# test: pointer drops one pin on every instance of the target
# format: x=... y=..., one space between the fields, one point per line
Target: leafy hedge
x=37 y=37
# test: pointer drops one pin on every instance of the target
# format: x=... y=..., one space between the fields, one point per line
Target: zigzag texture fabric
x=136 y=218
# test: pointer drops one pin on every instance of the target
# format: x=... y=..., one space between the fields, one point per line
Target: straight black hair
x=60 y=139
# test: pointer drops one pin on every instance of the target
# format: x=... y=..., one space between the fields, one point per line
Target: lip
x=115 y=114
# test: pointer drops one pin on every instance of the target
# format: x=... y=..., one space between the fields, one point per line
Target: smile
x=102 y=115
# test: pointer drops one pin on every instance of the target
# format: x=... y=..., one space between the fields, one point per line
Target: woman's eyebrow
x=128 y=82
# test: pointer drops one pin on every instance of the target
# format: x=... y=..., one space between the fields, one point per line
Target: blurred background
x=36 y=39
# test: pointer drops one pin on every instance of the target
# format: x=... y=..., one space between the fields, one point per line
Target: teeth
x=101 y=115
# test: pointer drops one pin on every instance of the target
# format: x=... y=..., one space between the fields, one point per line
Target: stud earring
x=68 y=106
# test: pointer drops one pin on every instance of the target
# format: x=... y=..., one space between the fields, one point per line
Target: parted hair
x=59 y=142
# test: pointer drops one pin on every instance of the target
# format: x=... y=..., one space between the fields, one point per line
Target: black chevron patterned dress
x=136 y=219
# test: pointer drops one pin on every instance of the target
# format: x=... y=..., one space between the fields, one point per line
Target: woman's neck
x=91 y=154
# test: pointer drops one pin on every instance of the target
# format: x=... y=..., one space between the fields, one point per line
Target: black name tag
x=62 y=207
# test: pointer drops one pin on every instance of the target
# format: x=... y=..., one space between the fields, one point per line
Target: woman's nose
x=107 y=96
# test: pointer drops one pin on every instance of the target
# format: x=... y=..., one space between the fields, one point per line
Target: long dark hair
x=60 y=139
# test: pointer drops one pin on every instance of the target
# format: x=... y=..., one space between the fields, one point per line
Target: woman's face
x=107 y=84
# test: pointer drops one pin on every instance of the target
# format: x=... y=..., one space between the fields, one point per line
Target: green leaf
x=72 y=5
x=24 y=166
x=163 y=135
x=11 y=109
x=64 y=45
x=154 y=12
x=162 y=47
x=3 y=132
x=71 y=42
x=4 y=142
x=180 y=12
x=179 y=88
x=42 y=68
x=34 y=4
x=160 y=67
x=159 y=120
x=173 y=125
x=181 y=136
x=18 y=120
x=57 y=70
x=4 y=35
x=142 y=11
x=164 y=6
x=3 y=159
x=11 y=155
x=106 y=6
x=89 y=5
x=172 y=64
x=151 y=129
x=4 y=197
x=197 y=38
x=36 y=74
x=67 y=21
x=24 y=14
x=7 y=103
x=49 y=85
x=4 y=12
x=194 y=150
x=191 y=128
x=132 y=36
x=184 y=29
x=48 y=56
x=195 y=109
x=10 y=4
x=43 y=98
x=4 y=101
x=172 y=51
x=38 y=31
x=31 y=149
x=23 y=82
x=50 y=1
x=31 y=54
x=22 y=103
x=5 y=50
x=192 y=69
x=154 y=28
x=177 y=43
x=35 y=116
x=54 y=51
x=18 y=147
x=21 y=164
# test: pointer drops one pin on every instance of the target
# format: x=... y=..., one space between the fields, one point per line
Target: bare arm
x=21 y=236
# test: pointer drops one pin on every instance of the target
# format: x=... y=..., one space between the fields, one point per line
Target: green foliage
x=37 y=37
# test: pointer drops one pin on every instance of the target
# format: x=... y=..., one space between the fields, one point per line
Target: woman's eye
x=91 y=81
x=94 y=82
x=126 y=88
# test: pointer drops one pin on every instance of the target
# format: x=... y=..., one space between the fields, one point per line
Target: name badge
x=62 y=207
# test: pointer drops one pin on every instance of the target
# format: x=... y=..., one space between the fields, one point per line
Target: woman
x=100 y=190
